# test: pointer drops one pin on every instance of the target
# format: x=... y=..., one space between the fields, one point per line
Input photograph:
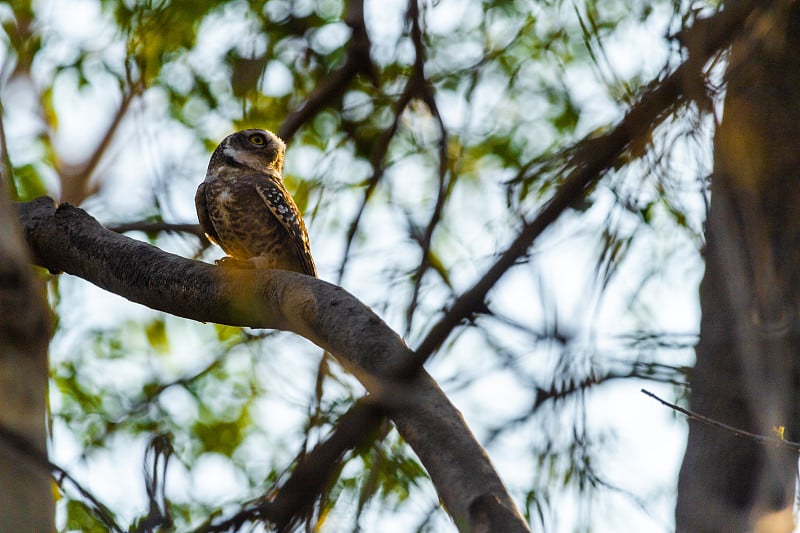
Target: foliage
x=413 y=172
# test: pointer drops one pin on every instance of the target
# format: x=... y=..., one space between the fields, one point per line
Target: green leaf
x=81 y=517
x=156 y=332
x=29 y=183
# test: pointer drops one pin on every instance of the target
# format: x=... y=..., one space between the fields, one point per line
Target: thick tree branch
x=69 y=240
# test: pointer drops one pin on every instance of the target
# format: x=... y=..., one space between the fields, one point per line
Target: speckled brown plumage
x=244 y=207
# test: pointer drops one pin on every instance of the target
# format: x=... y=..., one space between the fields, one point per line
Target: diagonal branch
x=315 y=470
x=592 y=158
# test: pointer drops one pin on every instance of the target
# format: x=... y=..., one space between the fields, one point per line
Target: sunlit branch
x=65 y=238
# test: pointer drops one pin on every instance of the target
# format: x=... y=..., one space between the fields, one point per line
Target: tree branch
x=444 y=185
x=358 y=61
x=592 y=158
x=67 y=239
x=75 y=180
x=294 y=498
x=6 y=169
x=416 y=87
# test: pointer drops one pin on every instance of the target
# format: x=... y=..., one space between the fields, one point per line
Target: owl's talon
x=232 y=262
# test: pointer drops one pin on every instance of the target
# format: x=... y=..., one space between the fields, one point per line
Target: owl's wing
x=283 y=208
x=202 y=214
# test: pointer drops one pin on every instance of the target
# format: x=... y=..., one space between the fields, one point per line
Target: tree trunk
x=26 y=501
x=746 y=373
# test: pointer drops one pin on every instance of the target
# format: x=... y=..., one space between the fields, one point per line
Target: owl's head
x=260 y=150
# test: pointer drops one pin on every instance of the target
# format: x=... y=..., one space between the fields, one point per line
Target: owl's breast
x=243 y=222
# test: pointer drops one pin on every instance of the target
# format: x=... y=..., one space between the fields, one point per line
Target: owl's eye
x=258 y=140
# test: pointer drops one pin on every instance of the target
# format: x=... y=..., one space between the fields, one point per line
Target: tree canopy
x=516 y=188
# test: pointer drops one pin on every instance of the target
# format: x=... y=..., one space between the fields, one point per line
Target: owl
x=244 y=207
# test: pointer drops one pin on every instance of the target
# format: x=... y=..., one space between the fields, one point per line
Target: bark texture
x=67 y=239
x=746 y=373
x=26 y=502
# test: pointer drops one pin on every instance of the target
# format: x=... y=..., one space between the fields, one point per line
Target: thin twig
x=736 y=431
x=416 y=87
x=379 y=151
x=75 y=182
x=159 y=227
x=442 y=193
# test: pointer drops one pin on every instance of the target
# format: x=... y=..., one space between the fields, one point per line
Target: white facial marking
x=230 y=152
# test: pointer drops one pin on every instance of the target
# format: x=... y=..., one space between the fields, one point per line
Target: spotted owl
x=244 y=207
